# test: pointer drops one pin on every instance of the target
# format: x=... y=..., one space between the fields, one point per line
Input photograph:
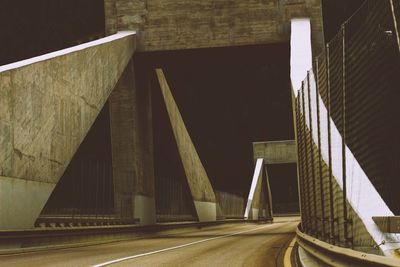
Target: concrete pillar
x=110 y=15
x=132 y=149
x=199 y=184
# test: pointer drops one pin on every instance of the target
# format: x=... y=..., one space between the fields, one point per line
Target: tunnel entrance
x=228 y=97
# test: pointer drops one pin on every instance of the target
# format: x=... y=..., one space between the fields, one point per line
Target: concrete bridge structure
x=55 y=106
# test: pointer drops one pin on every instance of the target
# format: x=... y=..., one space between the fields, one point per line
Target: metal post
x=299 y=140
x=321 y=185
x=295 y=112
x=314 y=194
x=344 y=175
x=396 y=27
x=332 y=214
x=307 y=175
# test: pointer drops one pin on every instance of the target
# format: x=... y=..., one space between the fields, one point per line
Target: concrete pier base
x=206 y=211
x=21 y=202
x=144 y=209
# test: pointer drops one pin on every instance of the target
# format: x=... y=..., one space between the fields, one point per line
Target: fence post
x=343 y=109
x=321 y=185
x=332 y=214
x=396 y=27
x=300 y=164
x=307 y=174
x=314 y=195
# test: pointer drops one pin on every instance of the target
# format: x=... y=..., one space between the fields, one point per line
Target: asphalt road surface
x=239 y=244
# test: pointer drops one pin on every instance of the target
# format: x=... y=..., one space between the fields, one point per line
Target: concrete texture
x=110 y=14
x=276 y=152
x=196 y=175
x=132 y=147
x=47 y=106
x=21 y=202
x=144 y=209
x=173 y=24
x=388 y=224
x=206 y=211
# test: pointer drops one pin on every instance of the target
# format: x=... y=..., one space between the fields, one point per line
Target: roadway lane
x=245 y=244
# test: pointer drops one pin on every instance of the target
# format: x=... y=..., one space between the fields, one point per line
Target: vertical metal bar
x=307 y=175
x=396 y=27
x=303 y=210
x=303 y=166
x=332 y=214
x=314 y=193
x=344 y=177
x=97 y=188
x=321 y=185
x=295 y=113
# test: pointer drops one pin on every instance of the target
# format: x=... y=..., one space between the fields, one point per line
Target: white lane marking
x=176 y=247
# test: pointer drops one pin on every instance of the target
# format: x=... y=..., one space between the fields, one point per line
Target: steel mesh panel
x=369 y=72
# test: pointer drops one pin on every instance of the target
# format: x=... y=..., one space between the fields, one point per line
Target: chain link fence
x=357 y=80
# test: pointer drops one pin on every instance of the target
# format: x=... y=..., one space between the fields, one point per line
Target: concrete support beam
x=47 y=106
x=132 y=149
x=185 y=24
x=276 y=152
x=199 y=184
x=253 y=205
x=388 y=224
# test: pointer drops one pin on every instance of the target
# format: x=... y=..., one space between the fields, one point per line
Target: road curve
x=244 y=244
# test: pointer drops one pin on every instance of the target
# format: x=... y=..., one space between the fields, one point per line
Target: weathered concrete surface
x=199 y=184
x=388 y=224
x=276 y=152
x=110 y=14
x=173 y=24
x=21 y=201
x=132 y=149
x=47 y=106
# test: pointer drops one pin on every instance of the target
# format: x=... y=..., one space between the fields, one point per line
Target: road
x=239 y=244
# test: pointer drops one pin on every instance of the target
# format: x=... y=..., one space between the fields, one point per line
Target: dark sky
x=33 y=27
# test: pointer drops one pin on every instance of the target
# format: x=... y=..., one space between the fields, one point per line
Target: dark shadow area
x=86 y=186
x=284 y=190
x=335 y=12
x=32 y=28
x=228 y=98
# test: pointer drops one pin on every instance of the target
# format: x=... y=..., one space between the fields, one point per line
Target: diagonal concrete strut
x=199 y=183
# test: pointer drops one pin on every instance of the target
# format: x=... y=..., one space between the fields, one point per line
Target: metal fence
x=229 y=206
x=357 y=80
x=173 y=200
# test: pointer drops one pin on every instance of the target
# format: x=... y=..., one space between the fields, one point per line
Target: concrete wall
x=47 y=105
x=276 y=152
x=199 y=183
x=172 y=24
x=132 y=149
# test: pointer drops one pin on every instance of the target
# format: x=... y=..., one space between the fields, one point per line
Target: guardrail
x=338 y=256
